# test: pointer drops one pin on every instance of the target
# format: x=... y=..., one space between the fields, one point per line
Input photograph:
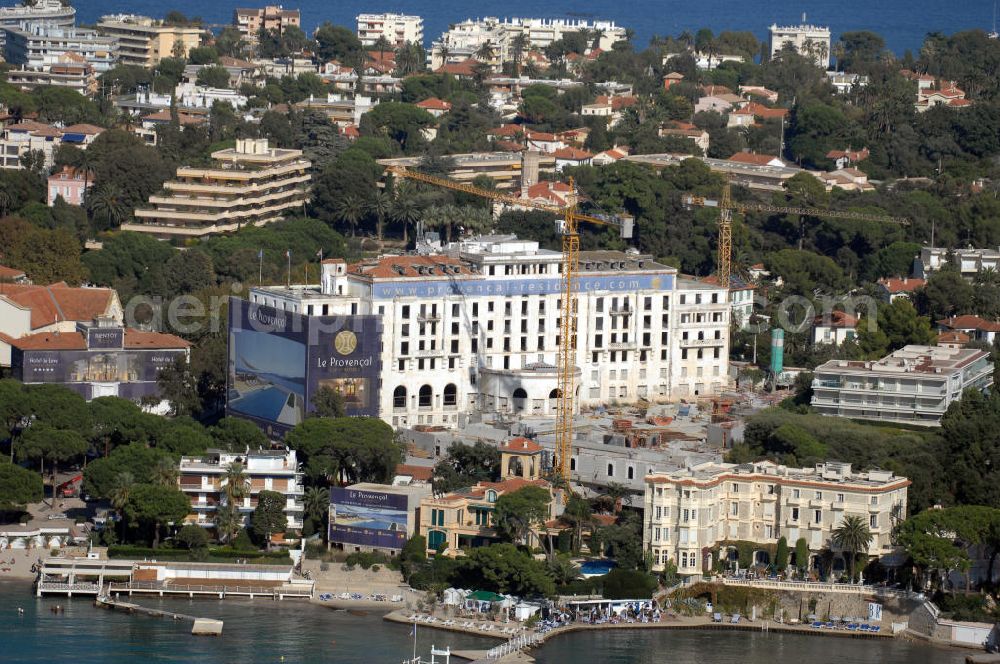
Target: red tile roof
x=59 y=302
x=419 y=473
x=521 y=445
x=434 y=104
x=464 y=68
x=572 y=154
x=970 y=322
x=836 y=319
x=506 y=130
x=901 y=285
x=75 y=341
x=953 y=337
x=141 y=339
x=542 y=136
x=93 y=130
x=10 y=273
x=383 y=267
x=850 y=155
x=753 y=158
x=510 y=146
x=761 y=111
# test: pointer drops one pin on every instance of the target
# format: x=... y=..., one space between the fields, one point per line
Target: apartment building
x=250 y=184
x=689 y=512
x=475 y=327
x=810 y=41
x=67 y=71
x=144 y=41
x=970 y=262
x=465 y=518
x=204 y=480
x=914 y=385
x=504 y=168
x=37 y=46
x=398 y=29
x=340 y=109
x=40 y=12
x=272 y=17
x=466 y=38
x=17 y=140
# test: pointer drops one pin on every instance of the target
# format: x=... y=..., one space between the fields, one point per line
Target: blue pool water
x=597 y=567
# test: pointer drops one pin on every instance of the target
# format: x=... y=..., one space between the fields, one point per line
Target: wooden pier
x=203 y=626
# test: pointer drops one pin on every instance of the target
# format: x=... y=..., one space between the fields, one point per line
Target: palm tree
x=518 y=45
x=316 y=502
x=227 y=522
x=121 y=491
x=443 y=53
x=382 y=45
x=380 y=205
x=237 y=483
x=854 y=536
x=351 y=210
x=165 y=473
x=108 y=201
x=486 y=52
x=597 y=34
x=405 y=210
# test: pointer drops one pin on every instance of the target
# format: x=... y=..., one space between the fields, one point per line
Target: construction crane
x=569 y=229
x=727 y=206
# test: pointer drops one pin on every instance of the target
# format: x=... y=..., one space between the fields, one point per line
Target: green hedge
x=214 y=555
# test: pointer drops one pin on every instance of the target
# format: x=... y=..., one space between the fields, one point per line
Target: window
x=450 y=395
x=874 y=500
x=817 y=516
x=399 y=397
x=873 y=521
x=840 y=497
x=734 y=487
x=659 y=511
x=687 y=514
x=819 y=495
x=631 y=473
x=734 y=509
x=795 y=514
x=796 y=493
x=656 y=534
x=425 y=397
x=611 y=470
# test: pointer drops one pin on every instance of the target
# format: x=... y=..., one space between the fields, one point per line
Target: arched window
x=491 y=496
x=631 y=473
x=399 y=397
x=520 y=399
x=554 y=394
x=450 y=395
x=426 y=396
x=572 y=463
x=514 y=467
x=611 y=470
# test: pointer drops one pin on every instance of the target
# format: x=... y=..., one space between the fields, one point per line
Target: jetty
x=201 y=626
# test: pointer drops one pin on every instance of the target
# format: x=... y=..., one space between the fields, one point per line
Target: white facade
x=398 y=29
x=204 y=480
x=466 y=38
x=689 y=511
x=810 y=41
x=968 y=261
x=914 y=385
x=477 y=328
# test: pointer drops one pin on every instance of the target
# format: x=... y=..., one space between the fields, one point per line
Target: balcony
x=620 y=311
x=700 y=342
x=428 y=317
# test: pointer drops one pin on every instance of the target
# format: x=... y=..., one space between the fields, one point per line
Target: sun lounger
x=735 y=619
x=716 y=617
x=865 y=627
x=817 y=624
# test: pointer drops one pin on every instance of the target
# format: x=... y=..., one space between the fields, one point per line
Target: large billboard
x=132 y=372
x=368 y=518
x=279 y=361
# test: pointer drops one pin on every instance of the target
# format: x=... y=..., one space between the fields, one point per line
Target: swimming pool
x=598 y=567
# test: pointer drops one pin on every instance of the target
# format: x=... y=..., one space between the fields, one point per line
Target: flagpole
x=288 y=282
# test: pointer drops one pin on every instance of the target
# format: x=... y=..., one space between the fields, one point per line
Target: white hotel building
x=476 y=327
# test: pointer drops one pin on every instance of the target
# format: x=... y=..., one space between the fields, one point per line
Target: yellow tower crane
x=727 y=206
x=569 y=229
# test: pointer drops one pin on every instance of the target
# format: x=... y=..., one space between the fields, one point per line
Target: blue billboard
x=279 y=361
x=512 y=287
x=368 y=518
